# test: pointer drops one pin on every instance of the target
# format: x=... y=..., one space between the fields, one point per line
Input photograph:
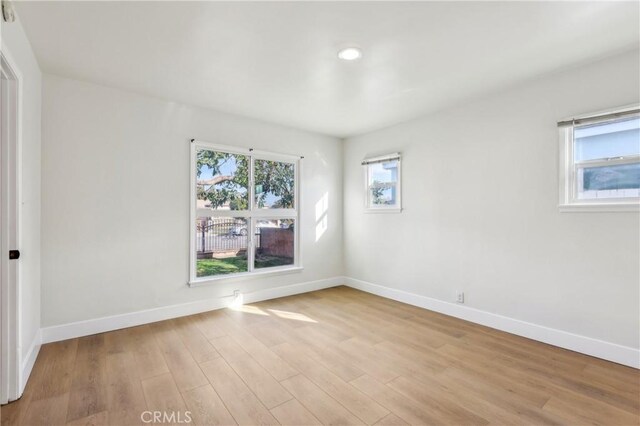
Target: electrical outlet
x=237 y=300
x=460 y=296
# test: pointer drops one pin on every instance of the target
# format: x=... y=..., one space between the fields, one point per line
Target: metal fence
x=220 y=235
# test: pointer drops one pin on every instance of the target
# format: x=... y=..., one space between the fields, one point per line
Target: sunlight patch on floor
x=292 y=315
x=248 y=309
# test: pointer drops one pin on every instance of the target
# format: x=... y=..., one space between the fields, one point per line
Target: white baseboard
x=131 y=319
x=586 y=345
x=28 y=362
x=290 y=290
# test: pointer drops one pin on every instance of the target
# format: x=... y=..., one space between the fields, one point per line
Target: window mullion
x=252 y=223
x=275 y=213
x=222 y=213
x=611 y=162
x=250 y=243
x=367 y=186
x=193 y=212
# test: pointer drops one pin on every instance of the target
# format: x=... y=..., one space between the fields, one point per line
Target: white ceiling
x=277 y=61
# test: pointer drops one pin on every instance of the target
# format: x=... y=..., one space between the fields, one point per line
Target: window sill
x=394 y=210
x=599 y=207
x=204 y=281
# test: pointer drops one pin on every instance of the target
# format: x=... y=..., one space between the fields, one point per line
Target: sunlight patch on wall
x=322 y=207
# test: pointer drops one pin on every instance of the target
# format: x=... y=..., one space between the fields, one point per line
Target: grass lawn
x=228 y=265
x=268 y=261
x=232 y=265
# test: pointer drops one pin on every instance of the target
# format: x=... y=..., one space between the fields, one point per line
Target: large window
x=600 y=161
x=382 y=183
x=244 y=212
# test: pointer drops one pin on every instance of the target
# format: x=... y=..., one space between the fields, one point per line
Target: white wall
x=115 y=197
x=480 y=193
x=18 y=51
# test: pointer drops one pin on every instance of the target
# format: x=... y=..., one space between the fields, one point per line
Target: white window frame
x=568 y=168
x=368 y=208
x=251 y=215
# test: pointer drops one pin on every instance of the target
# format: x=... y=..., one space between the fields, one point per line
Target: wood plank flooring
x=337 y=356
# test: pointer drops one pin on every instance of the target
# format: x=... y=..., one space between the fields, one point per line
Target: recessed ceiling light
x=350 y=54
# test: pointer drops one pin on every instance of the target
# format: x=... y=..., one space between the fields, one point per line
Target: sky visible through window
x=617 y=139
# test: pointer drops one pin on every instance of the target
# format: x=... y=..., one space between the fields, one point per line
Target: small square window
x=600 y=162
x=382 y=177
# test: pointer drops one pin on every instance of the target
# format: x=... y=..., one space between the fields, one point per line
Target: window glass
x=274 y=184
x=274 y=243
x=228 y=223
x=222 y=180
x=606 y=158
x=221 y=245
x=602 y=171
x=607 y=140
x=383 y=179
x=616 y=181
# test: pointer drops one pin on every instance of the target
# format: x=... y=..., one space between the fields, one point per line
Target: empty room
x=306 y=213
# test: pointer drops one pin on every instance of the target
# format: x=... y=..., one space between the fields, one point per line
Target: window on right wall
x=600 y=161
x=382 y=184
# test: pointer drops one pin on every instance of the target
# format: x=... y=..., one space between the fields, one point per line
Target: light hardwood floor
x=336 y=356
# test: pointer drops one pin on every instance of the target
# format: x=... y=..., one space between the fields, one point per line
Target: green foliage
x=232 y=189
x=377 y=190
x=264 y=261
x=276 y=178
x=270 y=176
x=230 y=265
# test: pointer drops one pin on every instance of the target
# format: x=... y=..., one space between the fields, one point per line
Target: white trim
x=630 y=159
x=277 y=270
x=614 y=110
x=586 y=345
x=261 y=155
x=251 y=214
x=11 y=210
x=132 y=319
x=397 y=207
x=381 y=158
x=599 y=208
x=299 y=199
x=251 y=223
x=29 y=360
x=274 y=213
x=383 y=210
x=567 y=171
x=292 y=289
x=193 y=149
x=207 y=212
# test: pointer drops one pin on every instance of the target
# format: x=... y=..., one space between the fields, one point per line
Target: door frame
x=10 y=157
